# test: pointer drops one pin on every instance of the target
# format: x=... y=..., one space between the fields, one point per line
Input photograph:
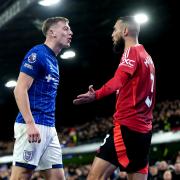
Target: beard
x=119 y=46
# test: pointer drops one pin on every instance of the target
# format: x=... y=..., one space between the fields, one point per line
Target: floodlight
x=68 y=55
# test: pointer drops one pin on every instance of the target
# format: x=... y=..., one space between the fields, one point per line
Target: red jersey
x=134 y=83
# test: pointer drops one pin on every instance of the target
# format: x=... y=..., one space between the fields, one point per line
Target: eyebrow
x=66 y=27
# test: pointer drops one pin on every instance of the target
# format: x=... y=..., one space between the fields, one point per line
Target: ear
x=52 y=33
x=126 y=31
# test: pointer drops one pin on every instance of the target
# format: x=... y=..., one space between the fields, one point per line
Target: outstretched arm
x=88 y=97
x=119 y=79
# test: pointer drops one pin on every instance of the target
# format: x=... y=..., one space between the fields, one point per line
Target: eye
x=65 y=28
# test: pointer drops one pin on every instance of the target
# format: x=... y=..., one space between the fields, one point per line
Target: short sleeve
x=32 y=63
x=128 y=61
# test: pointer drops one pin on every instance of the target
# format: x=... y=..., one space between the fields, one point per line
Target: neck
x=53 y=46
x=130 y=42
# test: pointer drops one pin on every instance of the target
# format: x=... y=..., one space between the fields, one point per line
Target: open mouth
x=69 y=40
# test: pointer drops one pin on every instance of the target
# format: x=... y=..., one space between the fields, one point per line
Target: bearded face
x=117 y=37
x=119 y=45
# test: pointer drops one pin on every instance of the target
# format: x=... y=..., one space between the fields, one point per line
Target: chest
x=51 y=73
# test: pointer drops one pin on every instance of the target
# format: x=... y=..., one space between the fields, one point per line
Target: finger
x=35 y=138
x=38 y=138
x=76 y=102
x=82 y=96
x=30 y=138
x=79 y=101
x=91 y=89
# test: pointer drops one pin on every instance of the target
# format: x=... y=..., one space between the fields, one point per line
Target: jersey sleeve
x=128 y=61
x=120 y=78
x=32 y=63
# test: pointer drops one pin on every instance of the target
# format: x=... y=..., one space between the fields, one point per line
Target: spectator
x=176 y=174
x=167 y=175
x=153 y=173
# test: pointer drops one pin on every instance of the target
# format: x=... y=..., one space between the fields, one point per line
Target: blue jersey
x=41 y=64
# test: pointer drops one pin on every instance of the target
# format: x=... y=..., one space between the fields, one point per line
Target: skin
x=101 y=169
x=120 y=33
x=58 y=36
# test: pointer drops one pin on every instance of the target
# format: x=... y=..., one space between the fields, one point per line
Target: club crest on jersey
x=32 y=58
x=27 y=155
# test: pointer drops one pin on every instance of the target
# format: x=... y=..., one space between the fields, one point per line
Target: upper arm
x=128 y=61
x=24 y=81
x=32 y=63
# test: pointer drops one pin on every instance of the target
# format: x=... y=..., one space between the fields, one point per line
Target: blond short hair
x=52 y=21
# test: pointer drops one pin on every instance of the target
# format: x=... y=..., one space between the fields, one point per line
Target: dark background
x=92 y=24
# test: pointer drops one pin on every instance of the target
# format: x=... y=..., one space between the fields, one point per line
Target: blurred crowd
x=166 y=118
x=161 y=170
x=87 y=133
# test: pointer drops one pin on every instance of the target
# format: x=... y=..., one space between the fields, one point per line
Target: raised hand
x=88 y=97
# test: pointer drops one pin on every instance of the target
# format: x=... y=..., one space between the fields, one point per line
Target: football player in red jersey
x=127 y=144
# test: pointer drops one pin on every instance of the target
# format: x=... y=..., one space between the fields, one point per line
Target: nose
x=71 y=33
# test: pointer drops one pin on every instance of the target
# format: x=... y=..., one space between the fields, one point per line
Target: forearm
x=107 y=89
x=23 y=104
x=114 y=84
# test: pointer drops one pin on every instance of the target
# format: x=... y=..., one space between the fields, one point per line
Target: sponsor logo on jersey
x=27 y=155
x=29 y=66
x=127 y=62
x=49 y=78
x=32 y=58
x=50 y=67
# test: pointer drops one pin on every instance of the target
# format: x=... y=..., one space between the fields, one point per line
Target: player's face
x=63 y=34
x=117 y=33
x=117 y=37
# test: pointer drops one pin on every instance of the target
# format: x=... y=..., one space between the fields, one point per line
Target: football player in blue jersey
x=36 y=142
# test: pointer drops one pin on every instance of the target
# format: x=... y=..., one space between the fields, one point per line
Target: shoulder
x=129 y=54
x=135 y=51
x=135 y=48
x=130 y=51
x=39 y=49
x=35 y=53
